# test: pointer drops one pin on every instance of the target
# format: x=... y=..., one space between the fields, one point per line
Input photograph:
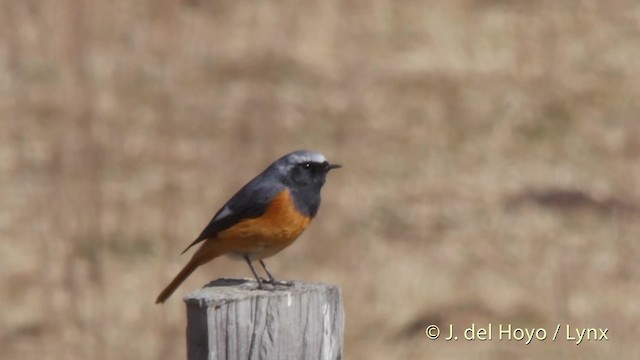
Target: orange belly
x=259 y=238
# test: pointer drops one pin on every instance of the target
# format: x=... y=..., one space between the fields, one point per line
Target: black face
x=306 y=173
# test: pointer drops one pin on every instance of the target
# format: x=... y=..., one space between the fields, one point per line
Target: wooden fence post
x=230 y=319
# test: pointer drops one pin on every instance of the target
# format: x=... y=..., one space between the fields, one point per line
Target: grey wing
x=249 y=202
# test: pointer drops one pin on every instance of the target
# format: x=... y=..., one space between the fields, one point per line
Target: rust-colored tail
x=182 y=275
x=207 y=252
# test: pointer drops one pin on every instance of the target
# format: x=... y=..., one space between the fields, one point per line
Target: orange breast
x=266 y=235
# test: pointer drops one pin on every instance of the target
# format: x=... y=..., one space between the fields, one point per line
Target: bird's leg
x=260 y=286
x=273 y=280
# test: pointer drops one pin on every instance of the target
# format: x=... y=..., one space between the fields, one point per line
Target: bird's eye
x=307 y=165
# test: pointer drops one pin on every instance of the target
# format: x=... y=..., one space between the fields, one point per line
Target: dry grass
x=126 y=124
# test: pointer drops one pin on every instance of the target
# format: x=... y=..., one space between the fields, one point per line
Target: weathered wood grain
x=230 y=319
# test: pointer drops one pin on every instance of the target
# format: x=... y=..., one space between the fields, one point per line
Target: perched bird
x=263 y=217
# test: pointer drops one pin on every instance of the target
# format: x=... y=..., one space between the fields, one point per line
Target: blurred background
x=490 y=152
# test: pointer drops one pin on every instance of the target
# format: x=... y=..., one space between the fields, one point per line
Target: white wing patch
x=226 y=211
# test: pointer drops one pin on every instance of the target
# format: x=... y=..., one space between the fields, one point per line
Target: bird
x=265 y=216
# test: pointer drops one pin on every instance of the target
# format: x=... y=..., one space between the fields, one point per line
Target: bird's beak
x=333 y=166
